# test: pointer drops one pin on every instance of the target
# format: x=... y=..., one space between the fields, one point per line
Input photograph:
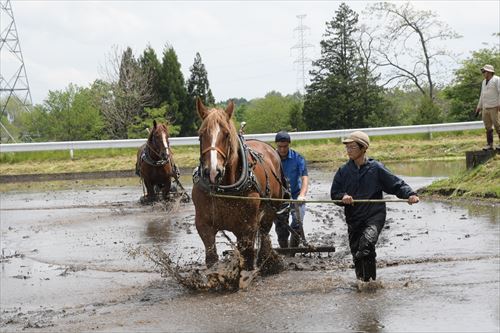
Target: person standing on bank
x=489 y=105
x=365 y=178
x=295 y=169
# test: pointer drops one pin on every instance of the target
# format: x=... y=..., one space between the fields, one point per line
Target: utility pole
x=13 y=84
x=302 y=60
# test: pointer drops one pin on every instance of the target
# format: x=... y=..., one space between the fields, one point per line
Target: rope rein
x=237 y=197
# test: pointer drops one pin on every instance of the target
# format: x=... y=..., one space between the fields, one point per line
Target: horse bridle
x=156 y=152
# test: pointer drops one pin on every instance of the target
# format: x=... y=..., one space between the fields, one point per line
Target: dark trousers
x=362 y=241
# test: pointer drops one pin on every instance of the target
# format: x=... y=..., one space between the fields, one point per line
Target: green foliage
x=271 y=113
x=464 y=91
x=428 y=112
x=173 y=92
x=342 y=93
x=197 y=86
x=139 y=129
x=150 y=64
x=68 y=115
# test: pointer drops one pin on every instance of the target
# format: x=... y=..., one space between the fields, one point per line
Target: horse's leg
x=165 y=191
x=207 y=235
x=267 y=260
x=150 y=190
x=246 y=247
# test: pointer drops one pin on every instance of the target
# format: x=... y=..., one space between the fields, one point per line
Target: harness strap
x=214 y=148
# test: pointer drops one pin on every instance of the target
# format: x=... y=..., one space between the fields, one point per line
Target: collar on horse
x=247 y=181
x=146 y=157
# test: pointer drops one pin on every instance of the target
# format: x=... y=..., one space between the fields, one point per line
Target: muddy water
x=66 y=267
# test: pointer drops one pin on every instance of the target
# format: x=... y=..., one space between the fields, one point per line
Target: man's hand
x=347 y=199
x=478 y=112
x=301 y=197
x=413 y=199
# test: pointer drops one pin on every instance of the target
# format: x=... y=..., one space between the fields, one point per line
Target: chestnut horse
x=232 y=166
x=154 y=163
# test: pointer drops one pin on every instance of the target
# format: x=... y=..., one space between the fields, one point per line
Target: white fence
x=193 y=140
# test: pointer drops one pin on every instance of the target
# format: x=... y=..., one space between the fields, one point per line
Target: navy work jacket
x=367 y=182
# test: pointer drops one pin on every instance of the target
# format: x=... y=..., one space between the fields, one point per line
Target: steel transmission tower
x=13 y=82
x=302 y=60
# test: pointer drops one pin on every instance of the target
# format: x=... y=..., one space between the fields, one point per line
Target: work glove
x=301 y=197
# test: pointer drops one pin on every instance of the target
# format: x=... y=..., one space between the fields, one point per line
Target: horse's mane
x=219 y=117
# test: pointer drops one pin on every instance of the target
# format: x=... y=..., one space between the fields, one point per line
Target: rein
x=237 y=197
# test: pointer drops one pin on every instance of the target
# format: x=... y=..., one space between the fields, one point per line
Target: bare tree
x=129 y=90
x=408 y=45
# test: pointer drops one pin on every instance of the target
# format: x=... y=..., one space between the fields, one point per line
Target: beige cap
x=359 y=137
x=488 y=68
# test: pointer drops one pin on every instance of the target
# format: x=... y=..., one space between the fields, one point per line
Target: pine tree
x=151 y=65
x=340 y=86
x=173 y=92
x=198 y=86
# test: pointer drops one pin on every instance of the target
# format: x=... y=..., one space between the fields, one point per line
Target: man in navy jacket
x=365 y=178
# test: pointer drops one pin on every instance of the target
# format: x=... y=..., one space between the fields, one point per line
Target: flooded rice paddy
x=66 y=266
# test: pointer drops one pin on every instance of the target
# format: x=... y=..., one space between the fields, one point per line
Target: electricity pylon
x=302 y=60
x=13 y=81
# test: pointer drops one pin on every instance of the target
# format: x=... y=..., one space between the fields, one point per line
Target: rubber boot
x=369 y=269
x=295 y=239
x=358 y=268
x=283 y=243
x=489 y=140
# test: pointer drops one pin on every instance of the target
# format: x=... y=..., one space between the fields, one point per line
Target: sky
x=246 y=46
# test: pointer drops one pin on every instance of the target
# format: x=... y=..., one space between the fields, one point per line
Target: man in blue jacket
x=365 y=178
x=295 y=169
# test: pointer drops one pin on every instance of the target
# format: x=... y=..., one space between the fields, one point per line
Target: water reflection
x=427 y=168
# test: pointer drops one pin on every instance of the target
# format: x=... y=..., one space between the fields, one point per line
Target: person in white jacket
x=489 y=105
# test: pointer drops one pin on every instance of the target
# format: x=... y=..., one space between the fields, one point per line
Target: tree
x=409 y=45
x=139 y=129
x=173 y=92
x=271 y=113
x=343 y=92
x=464 y=91
x=150 y=65
x=69 y=115
x=129 y=90
x=198 y=86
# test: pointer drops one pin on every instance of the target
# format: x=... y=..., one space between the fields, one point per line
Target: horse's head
x=158 y=140
x=218 y=141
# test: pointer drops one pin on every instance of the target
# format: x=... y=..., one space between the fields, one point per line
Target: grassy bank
x=480 y=182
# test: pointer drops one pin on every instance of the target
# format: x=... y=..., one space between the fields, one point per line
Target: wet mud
x=67 y=265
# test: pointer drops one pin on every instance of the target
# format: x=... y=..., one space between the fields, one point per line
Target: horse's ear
x=154 y=124
x=229 y=109
x=202 y=110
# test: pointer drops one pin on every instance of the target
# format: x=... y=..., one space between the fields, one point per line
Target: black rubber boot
x=369 y=269
x=358 y=268
x=489 y=140
x=283 y=243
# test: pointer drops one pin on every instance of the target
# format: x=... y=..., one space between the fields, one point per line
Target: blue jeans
x=279 y=225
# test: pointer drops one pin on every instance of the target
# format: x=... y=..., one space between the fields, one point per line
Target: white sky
x=245 y=46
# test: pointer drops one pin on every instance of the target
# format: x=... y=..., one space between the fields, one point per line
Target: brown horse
x=232 y=166
x=154 y=163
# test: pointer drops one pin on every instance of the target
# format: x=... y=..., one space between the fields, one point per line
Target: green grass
x=480 y=182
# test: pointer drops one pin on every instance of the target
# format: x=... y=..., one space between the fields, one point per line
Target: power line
x=302 y=60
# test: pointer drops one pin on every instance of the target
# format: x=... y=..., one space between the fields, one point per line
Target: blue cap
x=282 y=136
